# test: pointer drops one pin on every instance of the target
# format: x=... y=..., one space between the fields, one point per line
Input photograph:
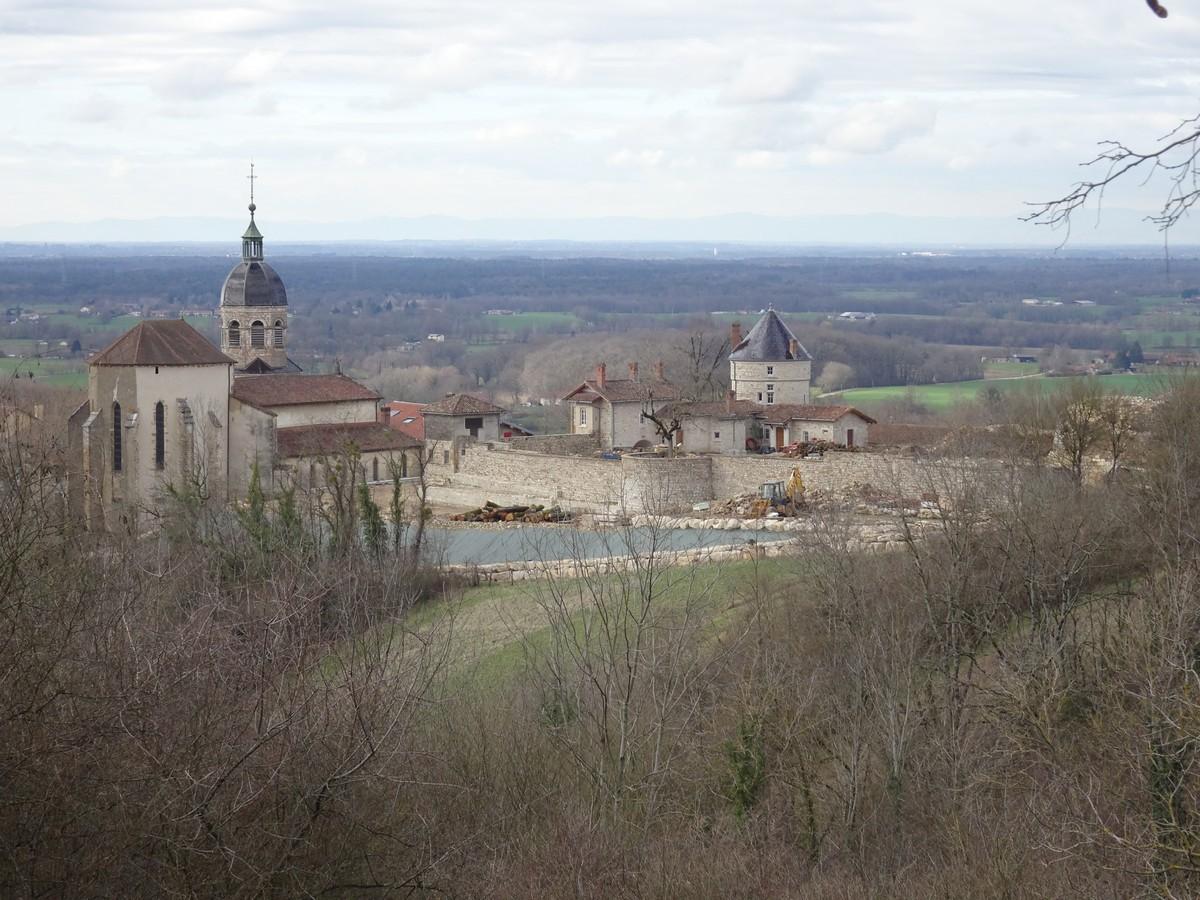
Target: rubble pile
x=491 y=512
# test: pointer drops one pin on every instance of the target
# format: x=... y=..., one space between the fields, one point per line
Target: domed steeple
x=254 y=306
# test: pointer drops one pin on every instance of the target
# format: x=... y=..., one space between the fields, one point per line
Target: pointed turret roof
x=769 y=341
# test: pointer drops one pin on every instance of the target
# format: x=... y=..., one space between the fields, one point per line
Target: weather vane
x=251 y=178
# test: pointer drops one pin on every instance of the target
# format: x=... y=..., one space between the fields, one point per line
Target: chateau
x=167 y=410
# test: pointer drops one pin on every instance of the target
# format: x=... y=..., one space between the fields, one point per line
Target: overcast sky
x=532 y=108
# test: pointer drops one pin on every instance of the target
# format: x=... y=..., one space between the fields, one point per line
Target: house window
x=760 y=396
x=116 y=414
x=804 y=436
x=258 y=334
x=160 y=436
x=403 y=465
x=474 y=425
x=770 y=397
x=716 y=435
x=770 y=387
x=770 y=370
x=235 y=334
x=277 y=334
x=445 y=457
x=583 y=415
x=375 y=469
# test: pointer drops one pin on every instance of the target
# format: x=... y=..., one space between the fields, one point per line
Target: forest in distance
x=521 y=329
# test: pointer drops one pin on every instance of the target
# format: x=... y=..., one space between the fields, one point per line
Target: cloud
x=771 y=81
x=563 y=108
x=640 y=159
x=879 y=127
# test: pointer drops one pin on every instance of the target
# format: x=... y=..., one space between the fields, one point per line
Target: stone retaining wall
x=638 y=484
x=558 y=444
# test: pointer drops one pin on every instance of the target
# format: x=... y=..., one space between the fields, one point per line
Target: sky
x=534 y=109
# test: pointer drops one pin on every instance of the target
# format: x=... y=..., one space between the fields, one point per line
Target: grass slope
x=944 y=396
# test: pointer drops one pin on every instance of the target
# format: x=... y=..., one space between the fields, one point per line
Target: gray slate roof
x=253 y=284
x=768 y=341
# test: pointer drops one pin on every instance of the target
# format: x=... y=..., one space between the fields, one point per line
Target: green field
x=70 y=373
x=1008 y=369
x=878 y=295
x=944 y=396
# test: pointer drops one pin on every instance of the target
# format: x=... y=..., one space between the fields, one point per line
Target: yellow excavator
x=795 y=487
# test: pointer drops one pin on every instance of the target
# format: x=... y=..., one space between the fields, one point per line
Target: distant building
x=612 y=408
x=733 y=426
x=853 y=316
x=436 y=338
x=768 y=365
x=462 y=416
x=166 y=410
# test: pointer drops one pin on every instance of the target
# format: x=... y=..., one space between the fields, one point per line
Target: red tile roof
x=462 y=405
x=777 y=412
x=406 y=417
x=162 y=342
x=786 y=412
x=322 y=440
x=267 y=391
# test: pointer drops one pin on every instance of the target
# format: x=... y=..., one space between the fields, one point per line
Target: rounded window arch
x=235 y=333
x=160 y=435
x=277 y=335
x=258 y=334
x=116 y=452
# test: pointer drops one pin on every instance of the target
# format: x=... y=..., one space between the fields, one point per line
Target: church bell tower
x=253 y=311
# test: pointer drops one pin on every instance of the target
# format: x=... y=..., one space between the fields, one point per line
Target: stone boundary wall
x=642 y=484
x=558 y=444
x=654 y=484
x=841 y=474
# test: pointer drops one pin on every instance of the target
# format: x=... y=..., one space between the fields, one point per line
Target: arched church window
x=258 y=334
x=116 y=414
x=235 y=334
x=160 y=435
x=277 y=337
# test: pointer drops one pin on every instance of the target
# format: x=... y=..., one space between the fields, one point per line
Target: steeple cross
x=251 y=178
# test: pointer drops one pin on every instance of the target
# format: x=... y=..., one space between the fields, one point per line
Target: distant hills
x=1115 y=227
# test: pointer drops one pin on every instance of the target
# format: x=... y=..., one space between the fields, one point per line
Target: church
x=168 y=410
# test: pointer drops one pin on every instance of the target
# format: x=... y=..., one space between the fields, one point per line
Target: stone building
x=735 y=426
x=168 y=411
x=612 y=409
x=769 y=365
x=461 y=416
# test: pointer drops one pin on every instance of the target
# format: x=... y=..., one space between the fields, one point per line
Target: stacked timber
x=491 y=512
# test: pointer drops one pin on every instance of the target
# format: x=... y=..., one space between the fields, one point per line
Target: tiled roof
x=462 y=405
x=620 y=390
x=322 y=440
x=406 y=418
x=292 y=390
x=785 y=412
x=768 y=341
x=775 y=413
x=161 y=342
x=718 y=409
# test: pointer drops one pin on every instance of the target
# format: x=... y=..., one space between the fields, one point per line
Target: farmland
x=941 y=397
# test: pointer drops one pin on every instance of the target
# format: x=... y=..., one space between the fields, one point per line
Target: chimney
x=600 y=375
x=730 y=397
x=794 y=348
x=735 y=335
x=633 y=371
x=658 y=371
